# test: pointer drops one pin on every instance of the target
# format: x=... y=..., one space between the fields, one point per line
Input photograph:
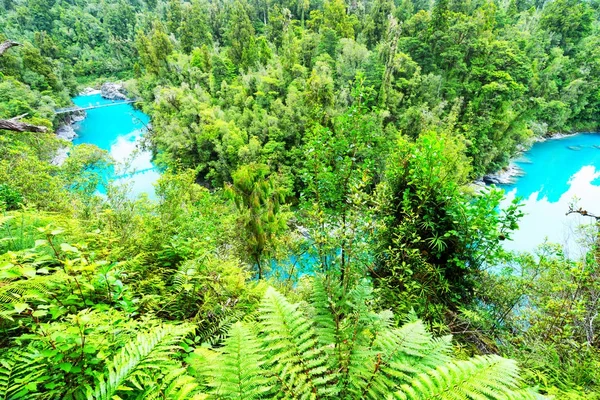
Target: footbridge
x=67 y=110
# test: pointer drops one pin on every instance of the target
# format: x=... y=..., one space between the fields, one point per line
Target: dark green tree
x=258 y=200
x=240 y=36
x=571 y=19
x=435 y=237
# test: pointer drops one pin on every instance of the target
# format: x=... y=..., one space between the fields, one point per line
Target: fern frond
x=213 y=329
x=37 y=288
x=369 y=359
x=323 y=315
x=176 y=385
x=482 y=377
x=20 y=372
x=238 y=373
x=150 y=350
x=295 y=356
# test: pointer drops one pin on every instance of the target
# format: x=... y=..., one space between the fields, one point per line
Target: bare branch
x=7 y=45
x=18 y=117
x=583 y=212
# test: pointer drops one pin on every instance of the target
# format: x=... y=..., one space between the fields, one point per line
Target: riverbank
x=555 y=172
x=509 y=174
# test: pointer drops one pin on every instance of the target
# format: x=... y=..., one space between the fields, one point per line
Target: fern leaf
x=150 y=350
x=482 y=377
x=37 y=288
x=20 y=373
x=176 y=385
x=238 y=374
x=323 y=315
x=296 y=358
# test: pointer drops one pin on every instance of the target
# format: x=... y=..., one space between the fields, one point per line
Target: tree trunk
x=15 y=125
x=259 y=265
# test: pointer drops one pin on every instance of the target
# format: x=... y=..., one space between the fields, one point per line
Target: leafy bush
x=10 y=199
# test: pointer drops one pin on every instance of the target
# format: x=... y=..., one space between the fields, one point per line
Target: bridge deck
x=77 y=108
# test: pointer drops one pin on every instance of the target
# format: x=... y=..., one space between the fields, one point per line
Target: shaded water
x=118 y=130
x=556 y=172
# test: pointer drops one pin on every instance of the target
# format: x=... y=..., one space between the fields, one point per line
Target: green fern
x=487 y=377
x=324 y=312
x=150 y=352
x=354 y=353
x=295 y=356
x=238 y=374
x=20 y=373
x=37 y=288
x=176 y=385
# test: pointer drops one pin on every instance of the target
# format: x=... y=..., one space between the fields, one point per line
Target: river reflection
x=556 y=173
x=119 y=129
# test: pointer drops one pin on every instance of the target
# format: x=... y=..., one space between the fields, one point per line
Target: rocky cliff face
x=112 y=91
x=66 y=132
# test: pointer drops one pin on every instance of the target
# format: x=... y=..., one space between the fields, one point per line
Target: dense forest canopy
x=340 y=134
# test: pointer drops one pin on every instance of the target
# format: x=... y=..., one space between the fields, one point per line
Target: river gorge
x=554 y=173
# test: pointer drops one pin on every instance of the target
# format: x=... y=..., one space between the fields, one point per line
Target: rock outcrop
x=112 y=91
x=503 y=177
x=88 y=91
x=60 y=157
x=66 y=132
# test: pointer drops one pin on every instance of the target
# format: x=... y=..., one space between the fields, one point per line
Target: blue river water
x=118 y=130
x=556 y=173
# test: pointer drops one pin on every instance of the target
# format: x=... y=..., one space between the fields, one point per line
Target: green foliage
x=9 y=197
x=544 y=313
x=239 y=374
x=436 y=237
x=341 y=168
x=69 y=298
x=371 y=117
x=240 y=36
x=136 y=365
x=286 y=354
x=19 y=375
x=258 y=201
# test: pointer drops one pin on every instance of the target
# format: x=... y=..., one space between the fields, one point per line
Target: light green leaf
x=20 y=307
x=67 y=248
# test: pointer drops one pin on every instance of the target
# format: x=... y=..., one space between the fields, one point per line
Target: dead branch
x=583 y=212
x=7 y=44
x=15 y=125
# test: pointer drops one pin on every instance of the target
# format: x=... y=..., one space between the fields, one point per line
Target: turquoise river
x=555 y=173
x=118 y=130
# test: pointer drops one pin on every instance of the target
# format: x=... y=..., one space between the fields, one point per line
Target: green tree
x=335 y=17
x=571 y=19
x=240 y=36
x=258 y=200
x=341 y=166
x=154 y=48
x=174 y=15
x=435 y=237
x=194 y=30
x=377 y=21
